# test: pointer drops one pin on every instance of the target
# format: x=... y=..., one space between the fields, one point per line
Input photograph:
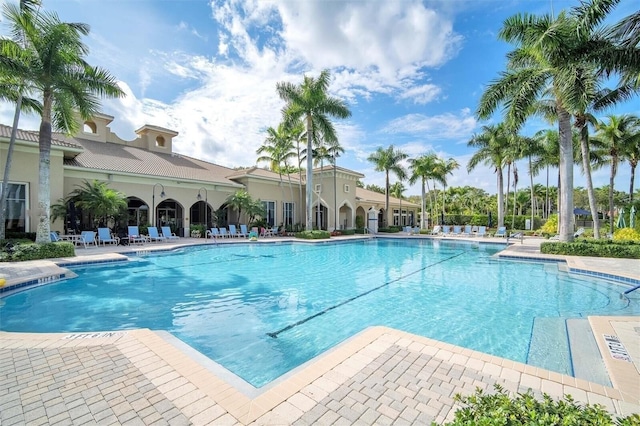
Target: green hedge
x=594 y=248
x=313 y=235
x=22 y=252
x=483 y=220
x=525 y=409
x=348 y=231
x=390 y=230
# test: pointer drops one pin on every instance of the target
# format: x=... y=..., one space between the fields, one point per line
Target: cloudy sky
x=411 y=71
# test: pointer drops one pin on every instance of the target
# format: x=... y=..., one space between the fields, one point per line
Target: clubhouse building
x=164 y=188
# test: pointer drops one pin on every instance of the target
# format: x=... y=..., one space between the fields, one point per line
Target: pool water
x=260 y=310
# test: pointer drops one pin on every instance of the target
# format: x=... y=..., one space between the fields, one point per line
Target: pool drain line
x=309 y=318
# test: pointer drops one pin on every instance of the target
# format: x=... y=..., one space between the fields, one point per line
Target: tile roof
x=127 y=159
x=262 y=173
x=378 y=198
x=32 y=136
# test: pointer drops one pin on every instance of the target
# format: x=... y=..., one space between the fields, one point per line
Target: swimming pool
x=260 y=310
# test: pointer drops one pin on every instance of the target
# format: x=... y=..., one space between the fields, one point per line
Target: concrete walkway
x=380 y=376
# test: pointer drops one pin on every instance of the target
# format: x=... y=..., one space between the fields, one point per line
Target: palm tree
x=443 y=169
x=423 y=168
x=102 y=203
x=615 y=135
x=310 y=101
x=388 y=160
x=53 y=67
x=547 y=60
x=11 y=89
x=491 y=146
x=277 y=150
x=239 y=200
x=397 y=189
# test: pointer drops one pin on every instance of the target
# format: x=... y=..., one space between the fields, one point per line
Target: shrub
x=594 y=248
x=348 y=231
x=359 y=222
x=198 y=228
x=30 y=251
x=525 y=409
x=551 y=225
x=313 y=235
x=389 y=230
x=626 y=234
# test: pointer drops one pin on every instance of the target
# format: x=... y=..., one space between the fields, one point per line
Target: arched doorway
x=345 y=216
x=137 y=212
x=382 y=220
x=170 y=213
x=201 y=213
x=362 y=214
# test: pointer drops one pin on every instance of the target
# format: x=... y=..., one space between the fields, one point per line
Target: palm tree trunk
x=386 y=200
x=612 y=177
x=547 y=206
x=586 y=166
x=299 y=181
x=335 y=197
x=4 y=185
x=44 y=173
x=533 y=198
x=309 y=206
x=500 y=197
x=566 y=176
x=633 y=177
x=506 y=198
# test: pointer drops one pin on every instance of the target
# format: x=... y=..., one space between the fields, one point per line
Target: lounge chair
x=457 y=230
x=446 y=230
x=482 y=231
x=166 y=232
x=233 y=232
x=134 y=235
x=243 y=231
x=153 y=234
x=105 y=236
x=416 y=230
x=436 y=230
x=501 y=232
x=579 y=232
x=87 y=238
x=467 y=230
x=54 y=237
x=212 y=233
x=223 y=232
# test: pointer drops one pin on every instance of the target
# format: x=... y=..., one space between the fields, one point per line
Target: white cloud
x=442 y=126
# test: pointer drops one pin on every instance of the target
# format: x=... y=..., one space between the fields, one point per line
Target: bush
x=594 y=248
x=626 y=234
x=348 y=231
x=551 y=225
x=313 y=235
x=525 y=409
x=198 y=228
x=389 y=230
x=30 y=251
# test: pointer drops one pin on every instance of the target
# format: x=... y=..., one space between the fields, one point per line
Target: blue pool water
x=225 y=300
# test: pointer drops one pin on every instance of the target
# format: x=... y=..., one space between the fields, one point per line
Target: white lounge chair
x=436 y=230
x=579 y=232
x=106 y=237
x=446 y=230
x=482 y=231
x=233 y=231
x=244 y=233
x=166 y=232
x=154 y=236
x=501 y=232
x=223 y=232
x=212 y=233
x=467 y=230
x=134 y=236
x=87 y=238
x=457 y=230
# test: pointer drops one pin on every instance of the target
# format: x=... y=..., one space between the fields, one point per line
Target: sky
x=411 y=72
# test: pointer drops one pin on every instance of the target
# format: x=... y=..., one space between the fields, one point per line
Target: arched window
x=90 y=127
x=160 y=141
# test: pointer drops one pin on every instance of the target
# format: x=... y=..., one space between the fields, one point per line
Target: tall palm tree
x=54 y=69
x=547 y=58
x=335 y=150
x=423 y=168
x=11 y=89
x=388 y=160
x=310 y=101
x=445 y=168
x=277 y=150
x=492 y=145
x=615 y=135
x=397 y=189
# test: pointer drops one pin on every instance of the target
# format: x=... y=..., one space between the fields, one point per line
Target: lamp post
x=206 y=205
x=153 y=202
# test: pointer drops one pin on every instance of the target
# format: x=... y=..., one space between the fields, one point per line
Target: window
x=270 y=208
x=318 y=187
x=346 y=188
x=160 y=141
x=90 y=127
x=287 y=208
x=16 y=207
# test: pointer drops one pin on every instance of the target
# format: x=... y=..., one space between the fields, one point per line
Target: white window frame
x=292 y=210
x=318 y=187
x=27 y=222
x=346 y=187
x=267 y=204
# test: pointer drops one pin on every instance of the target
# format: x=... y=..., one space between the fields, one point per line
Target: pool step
x=549 y=346
x=585 y=355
